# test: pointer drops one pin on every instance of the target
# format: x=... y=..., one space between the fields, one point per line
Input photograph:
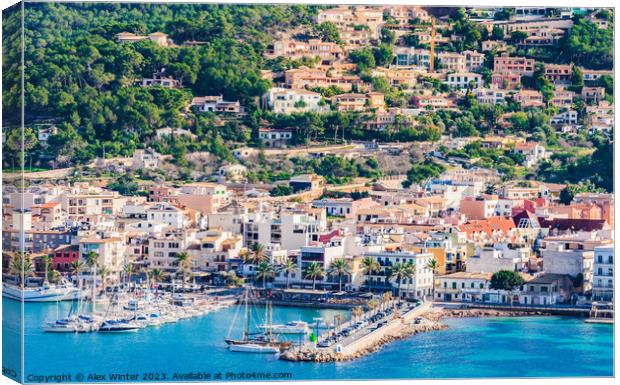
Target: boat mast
x=247 y=318
x=270 y=318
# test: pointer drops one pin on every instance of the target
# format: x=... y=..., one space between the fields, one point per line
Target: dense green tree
x=328 y=31
x=588 y=45
x=363 y=58
x=420 y=172
x=506 y=280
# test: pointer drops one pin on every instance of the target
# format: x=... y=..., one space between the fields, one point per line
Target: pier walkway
x=368 y=335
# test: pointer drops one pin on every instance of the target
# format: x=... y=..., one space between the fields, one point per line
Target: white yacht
x=119 y=325
x=293 y=327
x=47 y=293
x=74 y=325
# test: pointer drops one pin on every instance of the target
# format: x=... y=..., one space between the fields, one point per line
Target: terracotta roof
x=488 y=225
x=327 y=237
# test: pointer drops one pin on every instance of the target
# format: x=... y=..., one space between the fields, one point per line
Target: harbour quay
x=369 y=337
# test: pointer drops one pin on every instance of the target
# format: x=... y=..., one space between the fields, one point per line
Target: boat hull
x=254 y=348
x=40 y=294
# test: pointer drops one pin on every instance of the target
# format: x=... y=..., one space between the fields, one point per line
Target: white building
x=565 y=117
x=275 y=137
x=164 y=212
x=499 y=256
x=145 y=159
x=217 y=249
x=234 y=172
x=44 y=133
x=215 y=103
x=288 y=101
x=163 y=249
x=532 y=151
x=291 y=231
x=464 y=287
x=603 y=273
x=490 y=95
x=566 y=255
x=419 y=286
x=464 y=80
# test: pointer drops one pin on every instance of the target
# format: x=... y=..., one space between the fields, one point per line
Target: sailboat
x=73 y=322
x=260 y=342
x=118 y=324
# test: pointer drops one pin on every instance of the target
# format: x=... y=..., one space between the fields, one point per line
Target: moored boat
x=262 y=342
x=293 y=327
x=47 y=293
x=254 y=348
x=118 y=325
x=69 y=326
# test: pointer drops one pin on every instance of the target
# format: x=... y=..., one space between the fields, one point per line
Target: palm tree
x=257 y=253
x=103 y=271
x=21 y=267
x=92 y=259
x=185 y=265
x=288 y=267
x=128 y=270
x=76 y=267
x=373 y=304
x=339 y=267
x=265 y=270
x=46 y=261
x=231 y=278
x=369 y=266
x=434 y=267
x=157 y=275
x=386 y=298
x=402 y=271
x=314 y=271
x=253 y=255
x=54 y=276
x=357 y=312
x=244 y=254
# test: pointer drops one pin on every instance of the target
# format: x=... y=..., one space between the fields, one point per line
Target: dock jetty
x=368 y=339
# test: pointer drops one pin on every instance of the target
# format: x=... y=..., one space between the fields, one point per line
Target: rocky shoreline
x=407 y=330
x=430 y=322
x=437 y=314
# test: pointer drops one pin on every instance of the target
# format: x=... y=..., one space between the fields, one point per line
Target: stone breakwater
x=324 y=355
x=439 y=313
x=431 y=322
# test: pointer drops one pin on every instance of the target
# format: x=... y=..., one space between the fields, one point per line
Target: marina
x=468 y=348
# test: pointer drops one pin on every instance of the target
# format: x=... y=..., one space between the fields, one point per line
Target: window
x=454 y=285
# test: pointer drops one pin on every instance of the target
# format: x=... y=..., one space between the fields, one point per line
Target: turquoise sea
x=194 y=349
